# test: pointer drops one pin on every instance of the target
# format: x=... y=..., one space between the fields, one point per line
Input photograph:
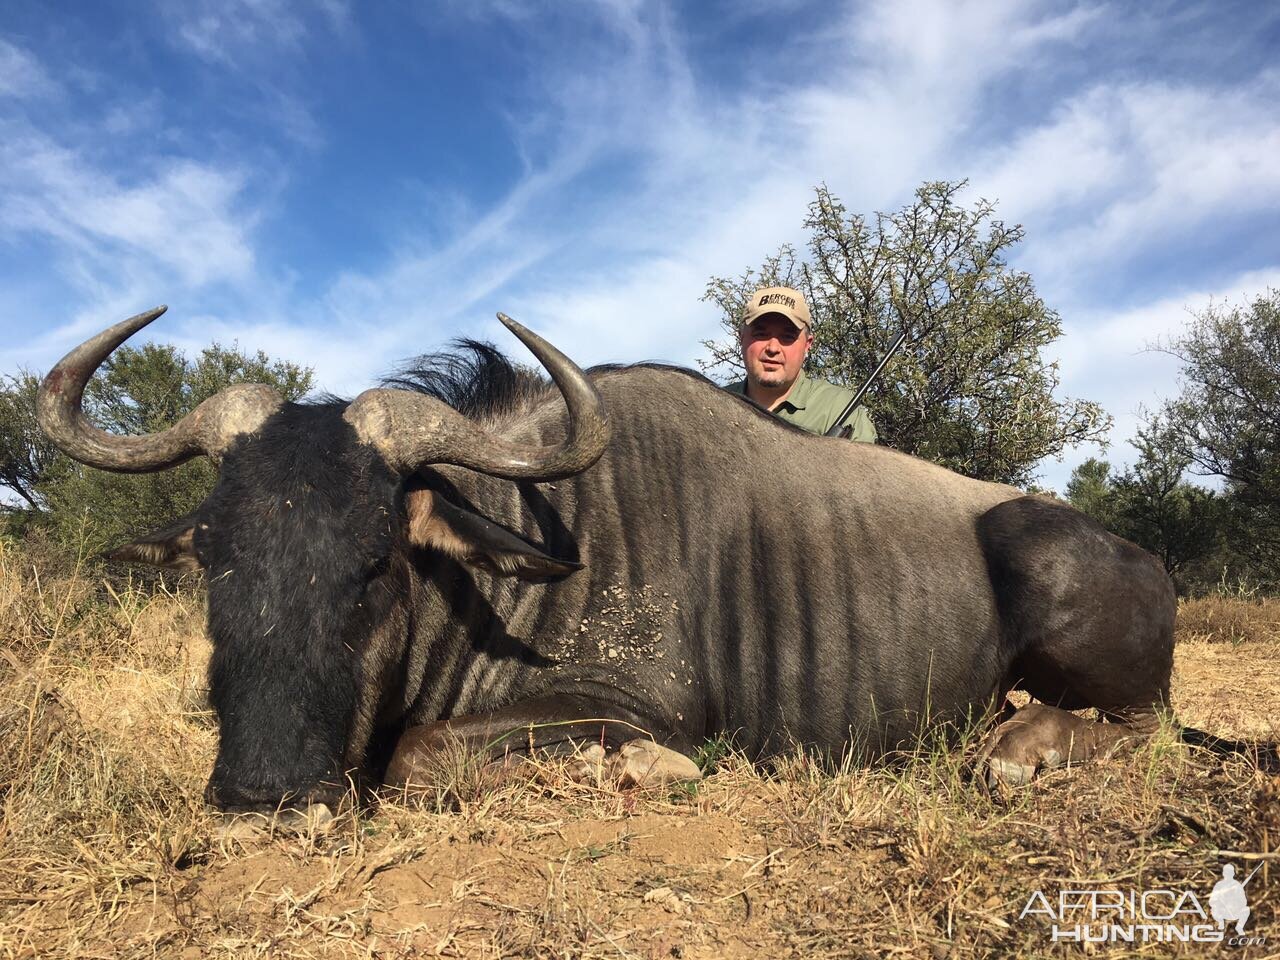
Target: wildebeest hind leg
x=1087 y=622
x=613 y=742
x=1040 y=737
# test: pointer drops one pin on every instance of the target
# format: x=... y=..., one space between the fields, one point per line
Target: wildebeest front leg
x=621 y=744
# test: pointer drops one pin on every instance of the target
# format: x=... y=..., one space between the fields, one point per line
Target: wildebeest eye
x=200 y=537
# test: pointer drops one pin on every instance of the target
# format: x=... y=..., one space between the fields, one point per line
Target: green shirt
x=813 y=405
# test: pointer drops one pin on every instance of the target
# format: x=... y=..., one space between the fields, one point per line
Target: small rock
x=670 y=900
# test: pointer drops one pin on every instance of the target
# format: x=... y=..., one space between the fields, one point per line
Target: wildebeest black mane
x=473 y=377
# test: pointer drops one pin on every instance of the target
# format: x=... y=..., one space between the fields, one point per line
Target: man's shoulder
x=825 y=402
x=738 y=387
x=824 y=393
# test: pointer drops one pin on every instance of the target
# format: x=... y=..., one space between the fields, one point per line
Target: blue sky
x=346 y=185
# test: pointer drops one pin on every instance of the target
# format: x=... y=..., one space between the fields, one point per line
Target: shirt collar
x=799 y=395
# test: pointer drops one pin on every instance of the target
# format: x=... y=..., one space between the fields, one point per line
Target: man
x=775 y=338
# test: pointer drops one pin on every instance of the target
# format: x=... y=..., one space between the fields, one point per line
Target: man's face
x=773 y=351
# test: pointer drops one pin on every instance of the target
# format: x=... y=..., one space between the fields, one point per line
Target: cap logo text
x=777 y=299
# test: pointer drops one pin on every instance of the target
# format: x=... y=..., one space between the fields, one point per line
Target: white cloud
x=1110 y=356
x=262 y=43
x=119 y=235
x=1075 y=159
x=181 y=217
x=641 y=179
x=229 y=32
x=1121 y=170
x=713 y=182
x=727 y=180
x=21 y=75
x=1101 y=342
x=950 y=50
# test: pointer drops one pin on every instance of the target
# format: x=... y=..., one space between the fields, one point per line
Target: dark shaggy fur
x=474 y=378
x=299 y=523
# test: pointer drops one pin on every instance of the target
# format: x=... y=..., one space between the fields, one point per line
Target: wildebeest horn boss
x=377 y=579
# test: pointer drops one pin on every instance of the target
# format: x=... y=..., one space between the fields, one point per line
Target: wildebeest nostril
x=227 y=798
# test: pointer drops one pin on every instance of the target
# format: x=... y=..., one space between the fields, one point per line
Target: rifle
x=846 y=431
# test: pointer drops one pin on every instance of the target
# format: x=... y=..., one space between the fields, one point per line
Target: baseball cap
x=784 y=300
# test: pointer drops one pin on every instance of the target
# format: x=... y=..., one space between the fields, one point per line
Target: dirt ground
x=106 y=851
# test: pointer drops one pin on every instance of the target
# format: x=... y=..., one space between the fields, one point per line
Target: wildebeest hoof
x=1037 y=738
x=587 y=765
x=315 y=818
x=643 y=763
x=1009 y=773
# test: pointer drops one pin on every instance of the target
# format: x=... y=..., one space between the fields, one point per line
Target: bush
x=137 y=390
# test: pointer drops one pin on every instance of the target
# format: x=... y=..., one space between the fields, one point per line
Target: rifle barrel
x=838 y=426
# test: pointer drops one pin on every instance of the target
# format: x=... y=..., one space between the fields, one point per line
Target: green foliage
x=1181 y=523
x=25 y=453
x=970 y=389
x=1226 y=420
x=711 y=753
x=137 y=390
x=1090 y=490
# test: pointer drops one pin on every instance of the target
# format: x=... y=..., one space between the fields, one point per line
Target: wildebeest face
x=295 y=540
x=300 y=539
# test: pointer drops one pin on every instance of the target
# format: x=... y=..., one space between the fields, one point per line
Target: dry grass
x=106 y=851
x=1219 y=619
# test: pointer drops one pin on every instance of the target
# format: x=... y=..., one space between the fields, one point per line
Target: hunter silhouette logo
x=1083 y=914
x=1228 y=902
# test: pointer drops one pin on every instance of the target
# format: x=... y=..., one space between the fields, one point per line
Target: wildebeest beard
x=302 y=523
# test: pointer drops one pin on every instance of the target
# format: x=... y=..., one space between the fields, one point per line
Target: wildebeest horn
x=208 y=429
x=412 y=430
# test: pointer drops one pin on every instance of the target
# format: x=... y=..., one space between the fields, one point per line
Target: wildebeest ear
x=171 y=548
x=477 y=542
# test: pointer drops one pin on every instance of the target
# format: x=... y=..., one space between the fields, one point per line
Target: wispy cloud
x=181 y=217
x=235 y=31
x=21 y=74
x=262 y=44
x=1120 y=170
x=727 y=178
x=708 y=184
x=107 y=227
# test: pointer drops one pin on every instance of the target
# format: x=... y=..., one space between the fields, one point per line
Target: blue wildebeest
x=468 y=551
